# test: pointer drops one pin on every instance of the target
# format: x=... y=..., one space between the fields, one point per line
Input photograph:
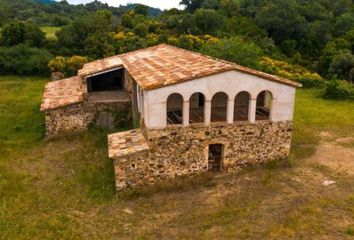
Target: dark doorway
x=111 y=81
x=215 y=157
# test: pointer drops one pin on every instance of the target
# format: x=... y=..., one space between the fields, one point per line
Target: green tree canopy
x=16 y=32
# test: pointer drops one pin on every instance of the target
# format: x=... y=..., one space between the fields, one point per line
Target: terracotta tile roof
x=61 y=93
x=164 y=65
x=125 y=143
x=100 y=66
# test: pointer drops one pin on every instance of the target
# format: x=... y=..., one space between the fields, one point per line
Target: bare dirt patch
x=335 y=156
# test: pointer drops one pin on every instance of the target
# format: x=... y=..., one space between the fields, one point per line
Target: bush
x=68 y=66
x=190 y=42
x=309 y=82
x=339 y=90
x=74 y=64
x=24 y=60
x=291 y=71
x=57 y=64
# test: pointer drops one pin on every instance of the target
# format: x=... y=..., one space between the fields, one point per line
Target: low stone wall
x=177 y=151
x=77 y=117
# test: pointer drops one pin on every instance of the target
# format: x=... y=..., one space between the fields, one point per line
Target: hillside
x=57 y=13
x=317 y=36
x=64 y=188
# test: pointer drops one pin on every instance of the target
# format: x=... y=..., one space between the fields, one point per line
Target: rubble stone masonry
x=176 y=150
x=77 y=116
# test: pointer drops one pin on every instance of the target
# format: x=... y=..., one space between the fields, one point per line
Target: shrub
x=24 y=60
x=68 y=66
x=339 y=90
x=291 y=71
x=57 y=64
x=74 y=64
x=187 y=41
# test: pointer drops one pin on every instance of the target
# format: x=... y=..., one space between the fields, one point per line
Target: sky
x=162 y=4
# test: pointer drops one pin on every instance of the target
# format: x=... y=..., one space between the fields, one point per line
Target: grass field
x=64 y=188
x=50 y=31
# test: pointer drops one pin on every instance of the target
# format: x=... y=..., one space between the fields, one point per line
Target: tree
x=207 y=20
x=236 y=50
x=230 y=8
x=73 y=39
x=13 y=34
x=99 y=45
x=127 y=21
x=187 y=24
x=325 y=59
x=344 y=23
x=18 y=33
x=24 y=60
x=211 y=4
x=142 y=29
x=192 y=5
x=141 y=9
x=282 y=20
x=342 y=65
x=34 y=36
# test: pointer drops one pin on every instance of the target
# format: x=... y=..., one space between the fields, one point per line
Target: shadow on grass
x=179 y=184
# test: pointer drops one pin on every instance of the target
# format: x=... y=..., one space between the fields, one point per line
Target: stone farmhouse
x=196 y=113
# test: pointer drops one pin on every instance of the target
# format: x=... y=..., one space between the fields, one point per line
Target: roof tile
x=163 y=65
x=61 y=93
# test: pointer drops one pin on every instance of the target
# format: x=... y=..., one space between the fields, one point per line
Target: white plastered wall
x=232 y=82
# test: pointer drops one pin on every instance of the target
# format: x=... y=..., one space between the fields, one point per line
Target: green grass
x=64 y=188
x=314 y=115
x=21 y=124
x=50 y=32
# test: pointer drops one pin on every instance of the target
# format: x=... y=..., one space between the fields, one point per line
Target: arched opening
x=219 y=107
x=264 y=105
x=174 y=109
x=242 y=102
x=196 y=108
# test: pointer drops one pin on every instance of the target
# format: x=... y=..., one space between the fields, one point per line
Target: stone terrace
x=126 y=143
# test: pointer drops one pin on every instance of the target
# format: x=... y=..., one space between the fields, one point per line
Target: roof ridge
x=142 y=49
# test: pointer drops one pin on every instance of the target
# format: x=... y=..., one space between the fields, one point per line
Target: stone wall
x=77 y=117
x=177 y=151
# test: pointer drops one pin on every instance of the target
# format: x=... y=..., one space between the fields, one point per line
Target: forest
x=309 y=41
